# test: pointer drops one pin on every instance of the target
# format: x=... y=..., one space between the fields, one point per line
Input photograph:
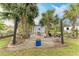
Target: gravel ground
x=30 y=43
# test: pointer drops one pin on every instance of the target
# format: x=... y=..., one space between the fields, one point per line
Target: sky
x=59 y=9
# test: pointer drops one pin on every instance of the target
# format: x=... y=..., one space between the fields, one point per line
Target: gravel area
x=30 y=43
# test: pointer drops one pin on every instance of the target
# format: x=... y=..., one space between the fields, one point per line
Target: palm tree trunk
x=46 y=31
x=15 y=30
x=73 y=27
x=61 y=26
x=25 y=29
x=73 y=24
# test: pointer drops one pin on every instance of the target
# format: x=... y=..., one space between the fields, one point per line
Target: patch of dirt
x=30 y=43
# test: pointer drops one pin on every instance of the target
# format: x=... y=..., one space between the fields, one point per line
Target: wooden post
x=61 y=26
x=15 y=30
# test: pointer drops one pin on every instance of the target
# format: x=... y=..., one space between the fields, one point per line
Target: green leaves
x=72 y=14
x=48 y=18
x=11 y=10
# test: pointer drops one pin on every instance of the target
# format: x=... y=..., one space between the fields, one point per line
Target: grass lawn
x=4 y=42
x=71 y=50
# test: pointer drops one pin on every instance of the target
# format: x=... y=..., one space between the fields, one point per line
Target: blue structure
x=38 y=43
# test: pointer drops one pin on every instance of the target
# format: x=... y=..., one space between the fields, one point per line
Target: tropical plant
x=23 y=12
x=56 y=23
x=48 y=19
x=72 y=13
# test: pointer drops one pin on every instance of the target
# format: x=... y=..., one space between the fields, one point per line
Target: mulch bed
x=30 y=44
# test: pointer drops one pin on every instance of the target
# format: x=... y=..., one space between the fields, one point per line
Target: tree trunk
x=15 y=30
x=73 y=24
x=73 y=27
x=76 y=33
x=25 y=29
x=61 y=26
x=46 y=31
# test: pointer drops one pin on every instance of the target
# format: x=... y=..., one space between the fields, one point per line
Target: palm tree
x=72 y=14
x=47 y=19
x=23 y=12
x=56 y=22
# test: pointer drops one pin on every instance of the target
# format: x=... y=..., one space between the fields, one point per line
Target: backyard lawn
x=72 y=49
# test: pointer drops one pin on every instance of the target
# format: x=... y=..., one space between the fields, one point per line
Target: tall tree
x=72 y=13
x=56 y=22
x=47 y=20
x=24 y=11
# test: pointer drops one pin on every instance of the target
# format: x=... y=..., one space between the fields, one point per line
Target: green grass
x=4 y=42
x=71 y=50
